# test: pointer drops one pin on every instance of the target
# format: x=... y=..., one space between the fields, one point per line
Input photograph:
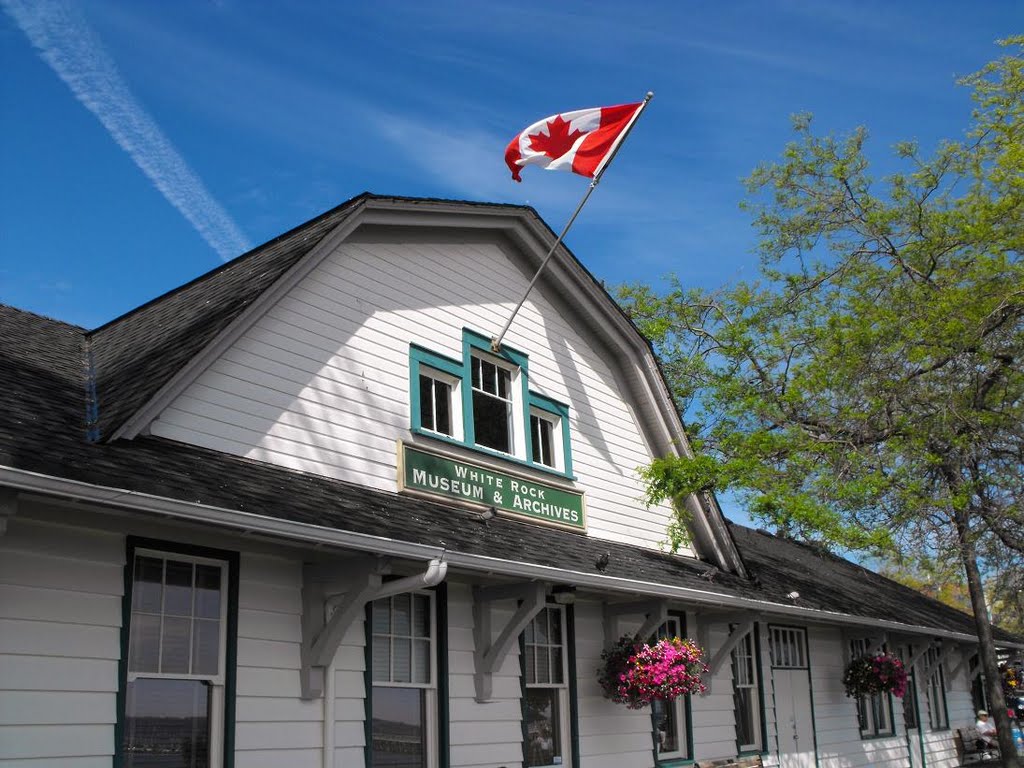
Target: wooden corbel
x=8 y=507
x=944 y=653
x=487 y=656
x=654 y=611
x=364 y=577
x=966 y=651
x=743 y=624
x=919 y=654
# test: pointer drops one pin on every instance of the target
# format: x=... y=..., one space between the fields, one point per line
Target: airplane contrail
x=61 y=34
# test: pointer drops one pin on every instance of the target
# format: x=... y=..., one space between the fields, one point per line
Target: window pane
x=541 y=626
x=381 y=659
x=144 y=648
x=489 y=371
x=442 y=408
x=746 y=711
x=531 y=664
x=477 y=378
x=178 y=586
x=504 y=382
x=382 y=617
x=208 y=591
x=543 y=665
x=399 y=728
x=147 y=590
x=556 y=665
x=426 y=402
x=555 y=623
x=177 y=639
x=421 y=615
x=402 y=615
x=535 y=438
x=665 y=726
x=490 y=422
x=543 y=730
x=205 y=647
x=401 y=648
x=421 y=661
x=167 y=723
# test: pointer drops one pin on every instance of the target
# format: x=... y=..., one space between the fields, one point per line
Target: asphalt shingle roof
x=43 y=406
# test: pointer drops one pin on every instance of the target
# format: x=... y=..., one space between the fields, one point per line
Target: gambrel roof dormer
x=430 y=277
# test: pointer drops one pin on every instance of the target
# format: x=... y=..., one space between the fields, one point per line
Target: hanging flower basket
x=872 y=675
x=1012 y=679
x=635 y=673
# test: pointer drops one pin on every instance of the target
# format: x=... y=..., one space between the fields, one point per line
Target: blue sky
x=143 y=143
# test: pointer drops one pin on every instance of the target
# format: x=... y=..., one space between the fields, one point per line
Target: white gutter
x=316 y=534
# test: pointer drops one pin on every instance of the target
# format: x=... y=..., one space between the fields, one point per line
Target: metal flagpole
x=496 y=341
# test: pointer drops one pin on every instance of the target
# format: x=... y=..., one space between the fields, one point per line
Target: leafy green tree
x=868 y=390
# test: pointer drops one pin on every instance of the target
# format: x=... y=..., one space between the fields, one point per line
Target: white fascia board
x=248 y=522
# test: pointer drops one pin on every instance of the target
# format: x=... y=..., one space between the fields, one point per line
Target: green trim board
x=574 y=697
x=432 y=474
x=473 y=341
x=368 y=684
x=133 y=543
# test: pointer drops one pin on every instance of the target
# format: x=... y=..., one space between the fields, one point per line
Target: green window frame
x=679 y=711
x=433 y=691
x=537 y=428
x=874 y=713
x=220 y=684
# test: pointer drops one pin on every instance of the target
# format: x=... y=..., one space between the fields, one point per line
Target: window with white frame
x=493 y=401
x=546 y=438
x=546 y=704
x=874 y=713
x=404 y=696
x=938 y=717
x=440 y=409
x=910 y=720
x=671 y=717
x=174 y=698
x=746 y=693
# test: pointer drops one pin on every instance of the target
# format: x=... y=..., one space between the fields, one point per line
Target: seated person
x=986 y=730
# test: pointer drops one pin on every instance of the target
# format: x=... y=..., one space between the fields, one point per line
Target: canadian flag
x=580 y=141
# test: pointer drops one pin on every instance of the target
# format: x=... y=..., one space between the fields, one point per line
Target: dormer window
x=492 y=405
x=483 y=402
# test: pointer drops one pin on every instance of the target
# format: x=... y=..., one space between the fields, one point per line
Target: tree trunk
x=987 y=647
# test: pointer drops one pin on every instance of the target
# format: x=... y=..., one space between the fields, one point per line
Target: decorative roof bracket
x=487 y=656
x=654 y=611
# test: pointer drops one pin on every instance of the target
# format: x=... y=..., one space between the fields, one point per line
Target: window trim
x=684 y=712
x=524 y=402
x=938 y=675
x=567 y=696
x=169 y=549
x=437 y=705
x=760 y=747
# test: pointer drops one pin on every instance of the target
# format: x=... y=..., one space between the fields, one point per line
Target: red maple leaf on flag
x=558 y=139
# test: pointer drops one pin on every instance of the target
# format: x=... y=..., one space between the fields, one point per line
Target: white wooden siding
x=60 y=617
x=482 y=735
x=837 y=731
x=321 y=382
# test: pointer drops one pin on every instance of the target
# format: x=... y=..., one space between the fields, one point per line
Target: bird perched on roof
x=710 y=573
x=602 y=562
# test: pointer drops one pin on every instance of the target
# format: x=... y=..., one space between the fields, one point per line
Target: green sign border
x=496 y=489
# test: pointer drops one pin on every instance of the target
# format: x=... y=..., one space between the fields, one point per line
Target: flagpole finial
x=649 y=96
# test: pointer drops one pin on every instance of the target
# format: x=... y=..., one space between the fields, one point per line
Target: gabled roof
x=141 y=360
x=43 y=448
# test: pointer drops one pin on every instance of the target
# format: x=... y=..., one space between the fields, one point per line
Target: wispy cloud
x=64 y=40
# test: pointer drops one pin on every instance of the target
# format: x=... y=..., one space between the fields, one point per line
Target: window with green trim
x=483 y=402
x=746 y=693
x=546 y=700
x=671 y=718
x=404 y=712
x=176 y=666
x=874 y=713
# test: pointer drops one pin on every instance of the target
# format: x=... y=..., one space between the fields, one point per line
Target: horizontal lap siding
x=273 y=726
x=60 y=618
x=837 y=732
x=321 y=382
x=481 y=735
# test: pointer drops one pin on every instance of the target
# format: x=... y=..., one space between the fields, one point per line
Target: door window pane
x=666 y=726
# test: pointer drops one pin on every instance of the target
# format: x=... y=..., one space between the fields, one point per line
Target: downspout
x=436 y=571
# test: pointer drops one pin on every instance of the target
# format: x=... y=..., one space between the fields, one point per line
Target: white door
x=793 y=718
x=791 y=680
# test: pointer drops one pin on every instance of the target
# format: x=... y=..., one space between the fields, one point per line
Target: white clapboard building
x=297 y=513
